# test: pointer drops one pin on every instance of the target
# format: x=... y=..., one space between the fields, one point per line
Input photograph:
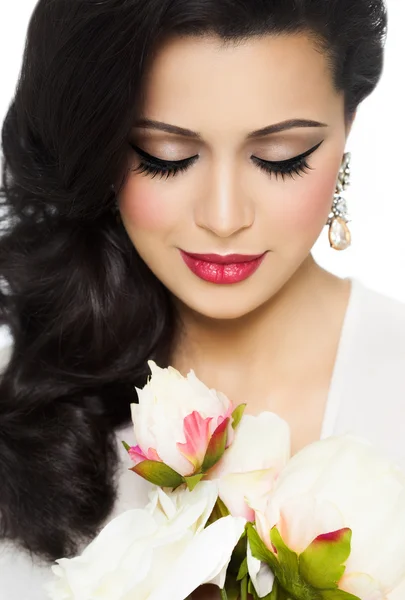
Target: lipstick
x=222 y=269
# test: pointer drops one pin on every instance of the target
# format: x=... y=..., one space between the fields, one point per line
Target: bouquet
x=230 y=507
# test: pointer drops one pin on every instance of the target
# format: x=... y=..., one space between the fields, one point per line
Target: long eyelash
x=297 y=165
x=155 y=166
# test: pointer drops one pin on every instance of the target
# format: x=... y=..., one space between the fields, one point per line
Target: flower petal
x=205 y=561
x=260 y=442
x=95 y=569
x=216 y=446
x=398 y=593
x=361 y=585
x=197 y=434
x=304 y=518
x=137 y=455
x=238 y=491
x=366 y=489
x=261 y=575
x=162 y=422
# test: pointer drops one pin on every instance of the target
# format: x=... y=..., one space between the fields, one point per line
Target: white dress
x=366 y=397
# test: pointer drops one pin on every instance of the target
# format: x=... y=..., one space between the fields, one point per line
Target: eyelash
x=153 y=166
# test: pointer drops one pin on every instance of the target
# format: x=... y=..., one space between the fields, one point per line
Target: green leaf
x=224 y=595
x=252 y=591
x=237 y=558
x=232 y=588
x=233 y=593
x=237 y=415
x=260 y=551
x=222 y=509
x=243 y=570
x=289 y=583
x=216 y=446
x=322 y=563
x=218 y=511
x=193 y=480
x=277 y=593
x=158 y=473
x=288 y=573
x=337 y=595
x=271 y=596
x=126 y=446
x=288 y=560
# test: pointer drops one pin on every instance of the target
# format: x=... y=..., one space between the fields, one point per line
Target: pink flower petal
x=223 y=418
x=197 y=433
x=332 y=536
x=137 y=455
x=153 y=455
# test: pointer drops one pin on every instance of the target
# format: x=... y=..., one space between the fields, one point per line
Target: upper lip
x=224 y=259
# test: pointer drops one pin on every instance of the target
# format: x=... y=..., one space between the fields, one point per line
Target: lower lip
x=221 y=273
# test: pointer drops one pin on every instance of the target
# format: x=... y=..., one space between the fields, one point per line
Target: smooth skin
x=271 y=340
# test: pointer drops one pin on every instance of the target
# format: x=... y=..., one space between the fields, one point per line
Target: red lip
x=224 y=259
x=222 y=269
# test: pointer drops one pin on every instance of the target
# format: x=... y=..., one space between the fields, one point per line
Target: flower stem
x=224 y=595
x=244 y=589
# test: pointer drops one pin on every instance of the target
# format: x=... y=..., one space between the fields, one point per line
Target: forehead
x=195 y=81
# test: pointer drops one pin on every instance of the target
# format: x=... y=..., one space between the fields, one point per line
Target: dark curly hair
x=84 y=311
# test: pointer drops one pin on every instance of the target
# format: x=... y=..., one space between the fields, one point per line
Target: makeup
x=222 y=269
x=154 y=166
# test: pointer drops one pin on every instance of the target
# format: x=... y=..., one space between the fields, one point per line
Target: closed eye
x=151 y=165
x=296 y=165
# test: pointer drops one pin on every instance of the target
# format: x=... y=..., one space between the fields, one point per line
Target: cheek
x=143 y=207
x=308 y=210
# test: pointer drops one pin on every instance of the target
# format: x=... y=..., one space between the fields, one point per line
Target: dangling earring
x=339 y=234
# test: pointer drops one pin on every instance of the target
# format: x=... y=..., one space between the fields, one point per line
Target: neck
x=270 y=344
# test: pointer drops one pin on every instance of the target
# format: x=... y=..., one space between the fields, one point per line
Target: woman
x=148 y=143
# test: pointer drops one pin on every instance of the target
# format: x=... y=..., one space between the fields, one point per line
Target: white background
x=376 y=197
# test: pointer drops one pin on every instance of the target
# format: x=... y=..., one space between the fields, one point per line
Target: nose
x=223 y=208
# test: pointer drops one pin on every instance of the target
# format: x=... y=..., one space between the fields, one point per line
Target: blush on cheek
x=312 y=206
x=144 y=207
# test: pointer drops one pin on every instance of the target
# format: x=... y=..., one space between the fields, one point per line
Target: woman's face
x=232 y=193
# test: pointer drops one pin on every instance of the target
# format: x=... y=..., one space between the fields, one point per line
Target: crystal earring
x=339 y=234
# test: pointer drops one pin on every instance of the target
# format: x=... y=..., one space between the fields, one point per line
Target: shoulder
x=376 y=323
x=377 y=303
x=369 y=383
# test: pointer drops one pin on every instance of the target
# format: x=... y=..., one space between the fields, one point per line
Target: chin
x=233 y=304
x=224 y=313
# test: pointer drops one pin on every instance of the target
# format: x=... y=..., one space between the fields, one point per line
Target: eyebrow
x=270 y=129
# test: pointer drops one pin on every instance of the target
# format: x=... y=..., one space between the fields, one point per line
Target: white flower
x=157 y=553
x=176 y=418
x=338 y=483
x=250 y=466
x=261 y=575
